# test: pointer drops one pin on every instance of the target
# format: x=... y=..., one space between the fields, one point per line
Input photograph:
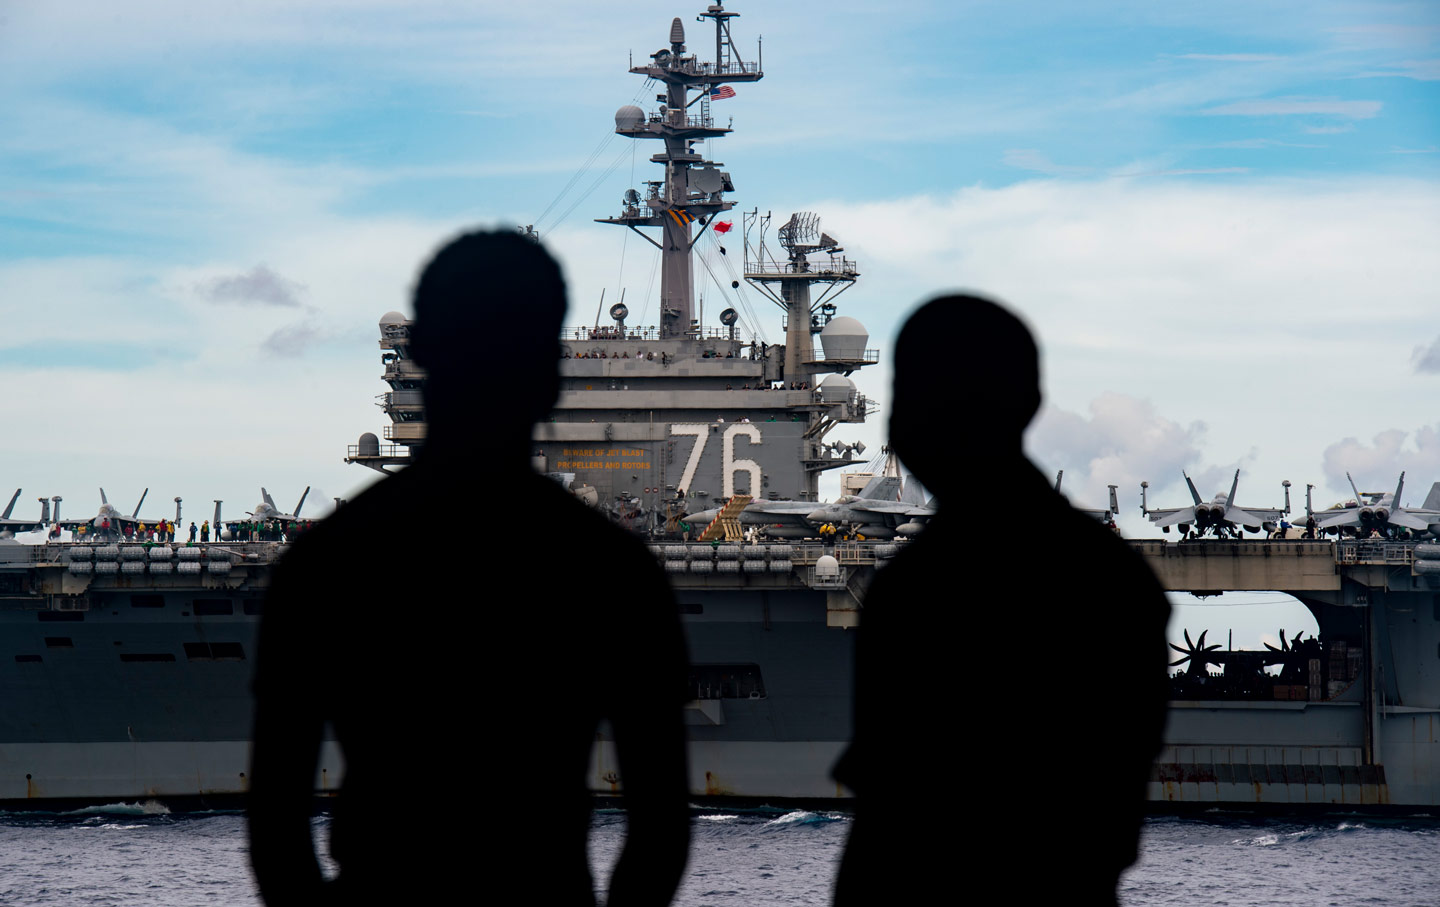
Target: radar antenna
x=800 y=237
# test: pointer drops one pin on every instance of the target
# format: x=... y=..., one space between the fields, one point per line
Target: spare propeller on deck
x=1193 y=650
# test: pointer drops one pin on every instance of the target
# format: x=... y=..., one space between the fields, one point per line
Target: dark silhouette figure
x=464 y=680
x=1010 y=664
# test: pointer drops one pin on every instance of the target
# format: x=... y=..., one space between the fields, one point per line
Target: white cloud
x=1032 y=159
x=259 y=285
x=1122 y=441
x=291 y=341
x=1427 y=359
x=1377 y=465
x=1419 y=70
x=1232 y=58
x=1354 y=110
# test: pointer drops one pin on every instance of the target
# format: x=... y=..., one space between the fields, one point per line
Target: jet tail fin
x=1114 y=502
x=1193 y=493
x=882 y=488
x=913 y=492
x=1432 y=500
x=1359 y=501
x=1058 y=476
x=11 y=506
x=1399 y=487
x=1234 y=486
x=136 y=514
x=302 y=500
x=265 y=496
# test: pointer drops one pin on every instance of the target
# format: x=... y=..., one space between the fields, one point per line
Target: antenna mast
x=693 y=189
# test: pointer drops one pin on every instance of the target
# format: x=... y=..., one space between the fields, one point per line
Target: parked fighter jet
x=1218 y=515
x=878 y=512
x=107 y=511
x=1379 y=512
x=1103 y=516
x=887 y=506
x=8 y=526
x=266 y=509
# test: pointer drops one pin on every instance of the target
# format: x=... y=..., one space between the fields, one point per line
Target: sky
x=1220 y=219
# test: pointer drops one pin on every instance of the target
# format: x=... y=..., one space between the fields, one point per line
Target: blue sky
x=1221 y=218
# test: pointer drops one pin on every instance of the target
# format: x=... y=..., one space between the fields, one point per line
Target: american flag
x=720 y=92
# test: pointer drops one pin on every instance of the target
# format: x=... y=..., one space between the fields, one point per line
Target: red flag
x=723 y=226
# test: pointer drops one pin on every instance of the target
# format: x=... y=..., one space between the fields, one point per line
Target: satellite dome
x=369 y=445
x=844 y=338
x=629 y=117
x=836 y=389
x=826 y=565
x=392 y=318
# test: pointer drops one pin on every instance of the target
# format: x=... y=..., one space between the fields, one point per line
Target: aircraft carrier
x=125 y=666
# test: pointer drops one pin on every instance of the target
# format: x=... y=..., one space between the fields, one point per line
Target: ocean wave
x=147 y=808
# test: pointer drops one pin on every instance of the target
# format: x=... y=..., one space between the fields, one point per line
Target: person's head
x=488 y=310
x=966 y=363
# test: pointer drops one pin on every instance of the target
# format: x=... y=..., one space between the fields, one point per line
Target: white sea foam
x=148 y=808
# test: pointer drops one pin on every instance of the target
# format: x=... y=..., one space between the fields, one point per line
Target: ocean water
x=134 y=854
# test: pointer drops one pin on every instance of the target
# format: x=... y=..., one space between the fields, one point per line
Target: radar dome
x=392 y=318
x=369 y=444
x=844 y=338
x=836 y=389
x=629 y=117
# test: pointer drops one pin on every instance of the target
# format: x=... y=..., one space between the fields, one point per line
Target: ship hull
x=119 y=689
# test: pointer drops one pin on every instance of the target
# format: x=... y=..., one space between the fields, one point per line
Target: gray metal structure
x=125 y=667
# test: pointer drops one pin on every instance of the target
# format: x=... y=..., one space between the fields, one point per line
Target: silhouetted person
x=464 y=680
x=1010 y=664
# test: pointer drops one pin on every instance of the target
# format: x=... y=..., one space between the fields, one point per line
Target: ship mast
x=692 y=191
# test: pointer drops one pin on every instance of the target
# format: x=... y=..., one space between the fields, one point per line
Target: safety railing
x=1374 y=551
x=651 y=332
x=840 y=267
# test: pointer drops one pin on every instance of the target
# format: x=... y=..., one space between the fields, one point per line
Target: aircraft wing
x=780 y=507
x=1170 y=517
x=1252 y=517
x=1409 y=520
x=1345 y=516
x=883 y=506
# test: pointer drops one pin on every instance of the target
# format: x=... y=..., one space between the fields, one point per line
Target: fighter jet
x=107 y=511
x=1379 y=512
x=1103 y=516
x=8 y=526
x=878 y=512
x=1219 y=515
x=887 y=506
x=266 y=509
